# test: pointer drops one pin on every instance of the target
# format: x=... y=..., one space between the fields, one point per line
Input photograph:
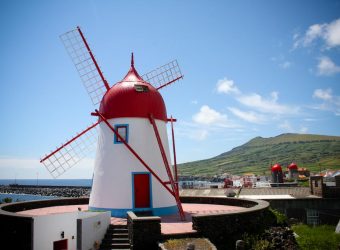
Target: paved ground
x=173 y=225
x=253 y=193
x=170 y=224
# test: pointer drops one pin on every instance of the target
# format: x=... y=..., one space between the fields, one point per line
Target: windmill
x=132 y=169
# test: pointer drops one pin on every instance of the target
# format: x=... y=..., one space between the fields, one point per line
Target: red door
x=60 y=245
x=141 y=184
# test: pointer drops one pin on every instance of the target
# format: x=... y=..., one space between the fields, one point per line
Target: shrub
x=256 y=242
x=281 y=219
x=262 y=245
x=7 y=200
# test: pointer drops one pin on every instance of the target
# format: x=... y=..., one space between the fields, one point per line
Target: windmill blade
x=86 y=65
x=70 y=153
x=164 y=75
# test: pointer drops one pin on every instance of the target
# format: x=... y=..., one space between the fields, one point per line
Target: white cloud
x=323 y=94
x=200 y=132
x=269 y=105
x=256 y=103
x=330 y=101
x=285 y=65
x=286 y=126
x=226 y=86
x=209 y=116
x=199 y=135
x=327 y=67
x=310 y=119
x=274 y=95
x=207 y=122
x=314 y=31
x=329 y=33
x=248 y=116
x=303 y=130
x=296 y=36
x=332 y=34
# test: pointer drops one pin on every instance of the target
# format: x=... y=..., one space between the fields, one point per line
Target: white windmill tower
x=132 y=167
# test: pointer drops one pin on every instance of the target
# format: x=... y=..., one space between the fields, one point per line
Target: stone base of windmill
x=215 y=218
x=169 y=224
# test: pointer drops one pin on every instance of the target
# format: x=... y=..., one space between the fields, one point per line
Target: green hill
x=314 y=152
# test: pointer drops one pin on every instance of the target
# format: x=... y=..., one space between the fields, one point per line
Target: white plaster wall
x=47 y=229
x=112 y=182
x=93 y=228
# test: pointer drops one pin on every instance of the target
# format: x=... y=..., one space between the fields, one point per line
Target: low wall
x=224 y=229
x=144 y=232
x=91 y=228
x=222 y=201
x=16 y=230
x=328 y=208
x=27 y=205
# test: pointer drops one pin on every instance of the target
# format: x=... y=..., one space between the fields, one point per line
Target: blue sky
x=252 y=68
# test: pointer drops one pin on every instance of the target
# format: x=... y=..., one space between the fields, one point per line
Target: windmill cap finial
x=132 y=60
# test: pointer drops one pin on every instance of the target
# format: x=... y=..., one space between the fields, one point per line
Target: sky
x=251 y=68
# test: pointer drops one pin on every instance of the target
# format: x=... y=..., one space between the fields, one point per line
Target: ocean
x=49 y=182
x=25 y=197
x=41 y=182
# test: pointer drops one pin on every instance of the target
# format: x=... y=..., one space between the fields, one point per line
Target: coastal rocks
x=47 y=191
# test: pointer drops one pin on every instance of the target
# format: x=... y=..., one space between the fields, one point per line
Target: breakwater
x=57 y=191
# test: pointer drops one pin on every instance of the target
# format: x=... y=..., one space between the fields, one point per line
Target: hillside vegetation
x=314 y=152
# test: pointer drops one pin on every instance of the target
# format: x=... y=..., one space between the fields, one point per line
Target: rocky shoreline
x=47 y=190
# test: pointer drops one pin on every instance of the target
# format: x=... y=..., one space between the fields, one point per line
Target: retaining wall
x=224 y=229
x=144 y=232
x=16 y=230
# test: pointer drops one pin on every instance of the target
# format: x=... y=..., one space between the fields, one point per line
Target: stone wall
x=225 y=228
x=16 y=230
x=27 y=205
x=144 y=232
x=222 y=229
x=328 y=208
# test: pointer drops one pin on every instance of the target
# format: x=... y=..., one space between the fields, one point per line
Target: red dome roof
x=292 y=166
x=276 y=167
x=133 y=97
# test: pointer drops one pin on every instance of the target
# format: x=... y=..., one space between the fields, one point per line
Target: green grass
x=256 y=156
x=317 y=238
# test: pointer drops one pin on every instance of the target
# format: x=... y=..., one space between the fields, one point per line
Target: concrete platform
x=170 y=224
